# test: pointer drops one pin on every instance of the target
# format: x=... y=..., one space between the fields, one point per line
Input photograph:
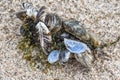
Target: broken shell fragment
x=53 y=56
x=21 y=15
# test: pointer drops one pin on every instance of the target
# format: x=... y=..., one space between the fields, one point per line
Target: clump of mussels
x=55 y=40
x=30 y=42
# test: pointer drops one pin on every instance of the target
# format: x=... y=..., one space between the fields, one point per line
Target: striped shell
x=77 y=29
x=54 y=22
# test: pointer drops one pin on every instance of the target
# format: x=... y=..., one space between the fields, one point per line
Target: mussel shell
x=53 y=21
x=40 y=14
x=22 y=31
x=21 y=15
x=31 y=13
x=75 y=46
x=44 y=38
x=93 y=42
x=43 y=26
x=64 y=56
x=74 y=27
x=53 y=56
x=30 y=10
x=77 y=29
x=86 y=59
x=26 y=5
x=64 y=35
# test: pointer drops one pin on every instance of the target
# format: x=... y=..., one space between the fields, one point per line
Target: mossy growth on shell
x=29 y=44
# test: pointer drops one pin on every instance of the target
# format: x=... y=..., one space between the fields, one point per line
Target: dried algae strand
x=109 y=43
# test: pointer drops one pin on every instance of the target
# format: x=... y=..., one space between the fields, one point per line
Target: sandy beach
x=100 y=17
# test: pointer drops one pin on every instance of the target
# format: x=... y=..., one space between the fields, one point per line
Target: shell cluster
x=60 y=40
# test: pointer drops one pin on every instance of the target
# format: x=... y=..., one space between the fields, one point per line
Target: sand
x=100 y=17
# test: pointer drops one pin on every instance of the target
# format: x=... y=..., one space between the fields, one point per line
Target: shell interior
x=53 y=56
x=75 y=47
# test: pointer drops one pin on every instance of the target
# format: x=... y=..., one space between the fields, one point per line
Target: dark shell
x=21 y=15
x=77 y=29
x=53 y=21
x=39 y=14
x=74 y=27
x=26 y=5
x=64 y=56
x=86 y=59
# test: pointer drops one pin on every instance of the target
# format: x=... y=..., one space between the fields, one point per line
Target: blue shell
x=53 y=56
x=75 y=46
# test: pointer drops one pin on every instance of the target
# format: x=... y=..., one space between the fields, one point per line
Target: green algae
x=29 y=44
